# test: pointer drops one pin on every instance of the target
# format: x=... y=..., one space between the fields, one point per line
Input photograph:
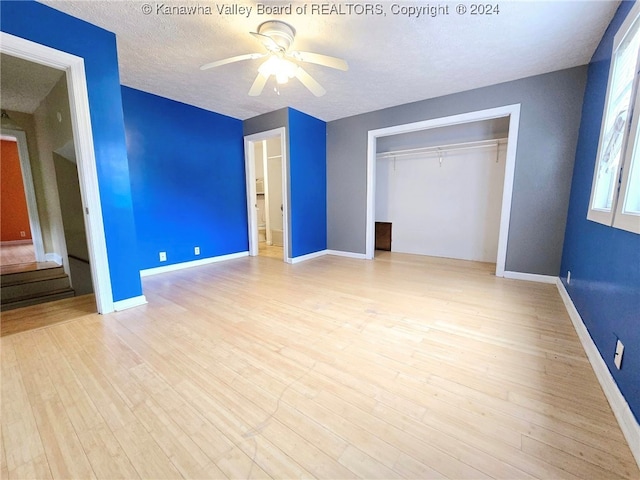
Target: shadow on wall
x=73 y=221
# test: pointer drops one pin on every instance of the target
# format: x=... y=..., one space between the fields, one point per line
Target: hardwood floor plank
x=363 y=465
x=107 y=458
x=65 y=455
x=35 y=469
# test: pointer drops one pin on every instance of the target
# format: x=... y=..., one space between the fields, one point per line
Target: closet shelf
x=439 y=149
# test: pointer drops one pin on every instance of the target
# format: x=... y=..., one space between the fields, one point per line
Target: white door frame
x=73 y=66
x=250 y=169
x=511 y=111
x=29 y=190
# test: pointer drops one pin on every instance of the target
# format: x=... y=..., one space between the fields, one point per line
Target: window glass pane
x=624 y=70
x=632 y=200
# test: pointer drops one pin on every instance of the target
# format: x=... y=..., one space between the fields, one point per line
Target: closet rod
x=443 y=148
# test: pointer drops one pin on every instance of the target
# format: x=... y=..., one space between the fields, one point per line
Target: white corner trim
x=129 y=303
x=195 y=263
x=339 y=253
x=53 y=257
x=628 y=423
x=531 y=277
x=309 y=256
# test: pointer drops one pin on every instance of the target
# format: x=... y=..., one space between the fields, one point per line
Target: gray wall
x=451 y=134
x=551 y=106
x=266 y=122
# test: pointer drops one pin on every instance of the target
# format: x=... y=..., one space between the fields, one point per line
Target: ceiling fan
x=277 y=36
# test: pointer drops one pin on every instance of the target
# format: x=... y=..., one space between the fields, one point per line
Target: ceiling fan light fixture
x=277 y=37
x=280 y=68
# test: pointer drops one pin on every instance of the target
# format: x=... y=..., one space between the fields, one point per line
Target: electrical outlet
x=196 y=250
x=569 y=277
x=23 y=233
x=617 y=358
x=163 y=256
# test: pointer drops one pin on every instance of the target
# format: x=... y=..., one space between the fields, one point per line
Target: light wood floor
x=272 y=251
x=46 y=314
x=16 y=254
x=401 y=367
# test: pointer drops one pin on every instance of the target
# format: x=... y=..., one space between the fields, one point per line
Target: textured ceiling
x=23 y=85
x=393 y=58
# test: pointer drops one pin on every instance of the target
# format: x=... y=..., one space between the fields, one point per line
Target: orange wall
x=14 y=216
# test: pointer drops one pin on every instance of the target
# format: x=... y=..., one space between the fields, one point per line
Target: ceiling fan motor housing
x=280 y=32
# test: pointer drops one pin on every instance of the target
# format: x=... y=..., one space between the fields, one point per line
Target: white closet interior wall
x=443 y=203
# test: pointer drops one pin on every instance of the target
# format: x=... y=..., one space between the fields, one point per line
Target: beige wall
x=53 y=134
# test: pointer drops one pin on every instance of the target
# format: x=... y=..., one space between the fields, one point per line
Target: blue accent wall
x=41 y=24
x=308 y=183
x=604 y=261
x=187 y=178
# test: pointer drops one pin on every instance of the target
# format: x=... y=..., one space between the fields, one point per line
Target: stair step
x=9 y=279
x=35 y=288
x=26 y=302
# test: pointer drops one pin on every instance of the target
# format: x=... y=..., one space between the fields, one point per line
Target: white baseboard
x=628 y=423
x=309 y=256
x=9 y=243
x=195 y=263
x=531 y=277
x=53 y=257
x=340 y=253
x=129 y=303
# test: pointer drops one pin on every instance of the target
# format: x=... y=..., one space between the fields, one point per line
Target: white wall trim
x=29 y=191
x=308 y=256
x=53 y=257
x=85 y=153
x=531 y=277
x=339 y=253
x=195 y=263
x=129 y=303
x=511 y=111
x=250 y=169
x=628 y=423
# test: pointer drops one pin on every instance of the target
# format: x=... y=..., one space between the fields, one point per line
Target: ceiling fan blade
x=268 y=42
x=238 y=58
x=258 y=85
x=319 y=59
x=309 y=82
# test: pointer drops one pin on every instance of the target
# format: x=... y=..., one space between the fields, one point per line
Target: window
x=615 y=193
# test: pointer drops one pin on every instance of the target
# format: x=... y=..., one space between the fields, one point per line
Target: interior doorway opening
x=83 y=151
x=267 y=186
x=20 y=222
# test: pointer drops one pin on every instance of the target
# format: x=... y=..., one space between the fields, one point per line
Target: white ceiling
x=393 y=59
x=23 y=84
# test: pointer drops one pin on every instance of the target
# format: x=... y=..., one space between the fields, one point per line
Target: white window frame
x=617 y=216
x=624 y=219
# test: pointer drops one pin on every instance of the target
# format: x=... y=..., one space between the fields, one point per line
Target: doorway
x=267 y=186
x=73 y=68
x=512 y=112
x=21 y=239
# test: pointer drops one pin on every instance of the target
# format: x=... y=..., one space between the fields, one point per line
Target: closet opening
x=265 y=157
x=443 y=187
